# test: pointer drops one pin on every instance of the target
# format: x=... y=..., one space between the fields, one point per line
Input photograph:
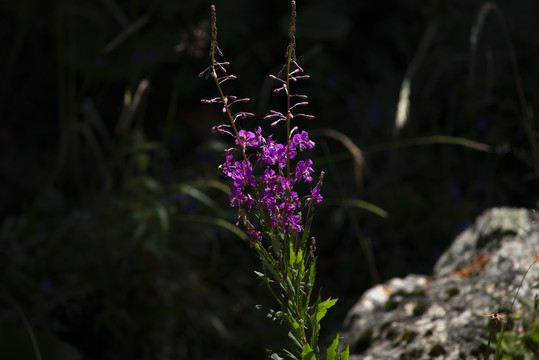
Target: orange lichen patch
x=479 y=263
x=536 y=257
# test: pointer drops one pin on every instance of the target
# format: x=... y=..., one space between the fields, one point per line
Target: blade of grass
x=427 y=140
x=527 y=120
x=216 y=222
x=497 y=353
x=124 y=35
x=359 y=204
x=403 y=105
x=352 y=148
x=202 y=198
x=363 y=242
x=117 y=12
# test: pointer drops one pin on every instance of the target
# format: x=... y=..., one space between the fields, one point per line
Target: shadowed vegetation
x=115 y=237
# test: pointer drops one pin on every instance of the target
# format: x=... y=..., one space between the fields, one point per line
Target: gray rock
x=442 y=316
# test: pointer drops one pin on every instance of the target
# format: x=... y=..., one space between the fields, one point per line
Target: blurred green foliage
x=521 y=346
x=515 y=342
x=115 y=237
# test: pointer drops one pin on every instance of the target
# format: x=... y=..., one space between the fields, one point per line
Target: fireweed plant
x=275 y=216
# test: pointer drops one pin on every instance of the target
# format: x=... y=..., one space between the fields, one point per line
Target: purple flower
x=227 y=167
x=243 y=175
x=315 y=195
x=304 y=170
x=270 y=204
x=269 y=181
x=240 y=199
x=254 y=236
x=294 y=222
x=274 y=153
x=302 y=141
x=259 y=137
x=288 y=208
x=248 y=138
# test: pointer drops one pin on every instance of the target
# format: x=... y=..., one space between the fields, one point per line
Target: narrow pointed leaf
x=307 y=353
x=323 y=308
x=345 y=354
x=331 y=352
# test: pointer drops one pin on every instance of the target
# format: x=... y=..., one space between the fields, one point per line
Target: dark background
x=116 y=238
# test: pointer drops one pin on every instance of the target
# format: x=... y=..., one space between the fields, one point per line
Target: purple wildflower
x=304 y=170
x=315 y=195
x=302 y=141
x=294 y=222
x=247 y=138
x=274 y=153
x=269 y=182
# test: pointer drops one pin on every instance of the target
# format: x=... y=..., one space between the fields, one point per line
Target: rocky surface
x=442 y=316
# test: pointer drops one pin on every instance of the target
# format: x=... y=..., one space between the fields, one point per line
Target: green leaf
x=323 y=308
x=533 y=333
x=269 y=264
x=290 y=355
x=275 y=356
x=307 y=353
x=296 y=259
x=306 y=231
x=276 y=244
x=332 y=353
x=346 y=353
x=294 y=341
x=309 y=284
x=162 y=215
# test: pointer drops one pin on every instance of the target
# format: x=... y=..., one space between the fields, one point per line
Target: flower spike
x=264 y=173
